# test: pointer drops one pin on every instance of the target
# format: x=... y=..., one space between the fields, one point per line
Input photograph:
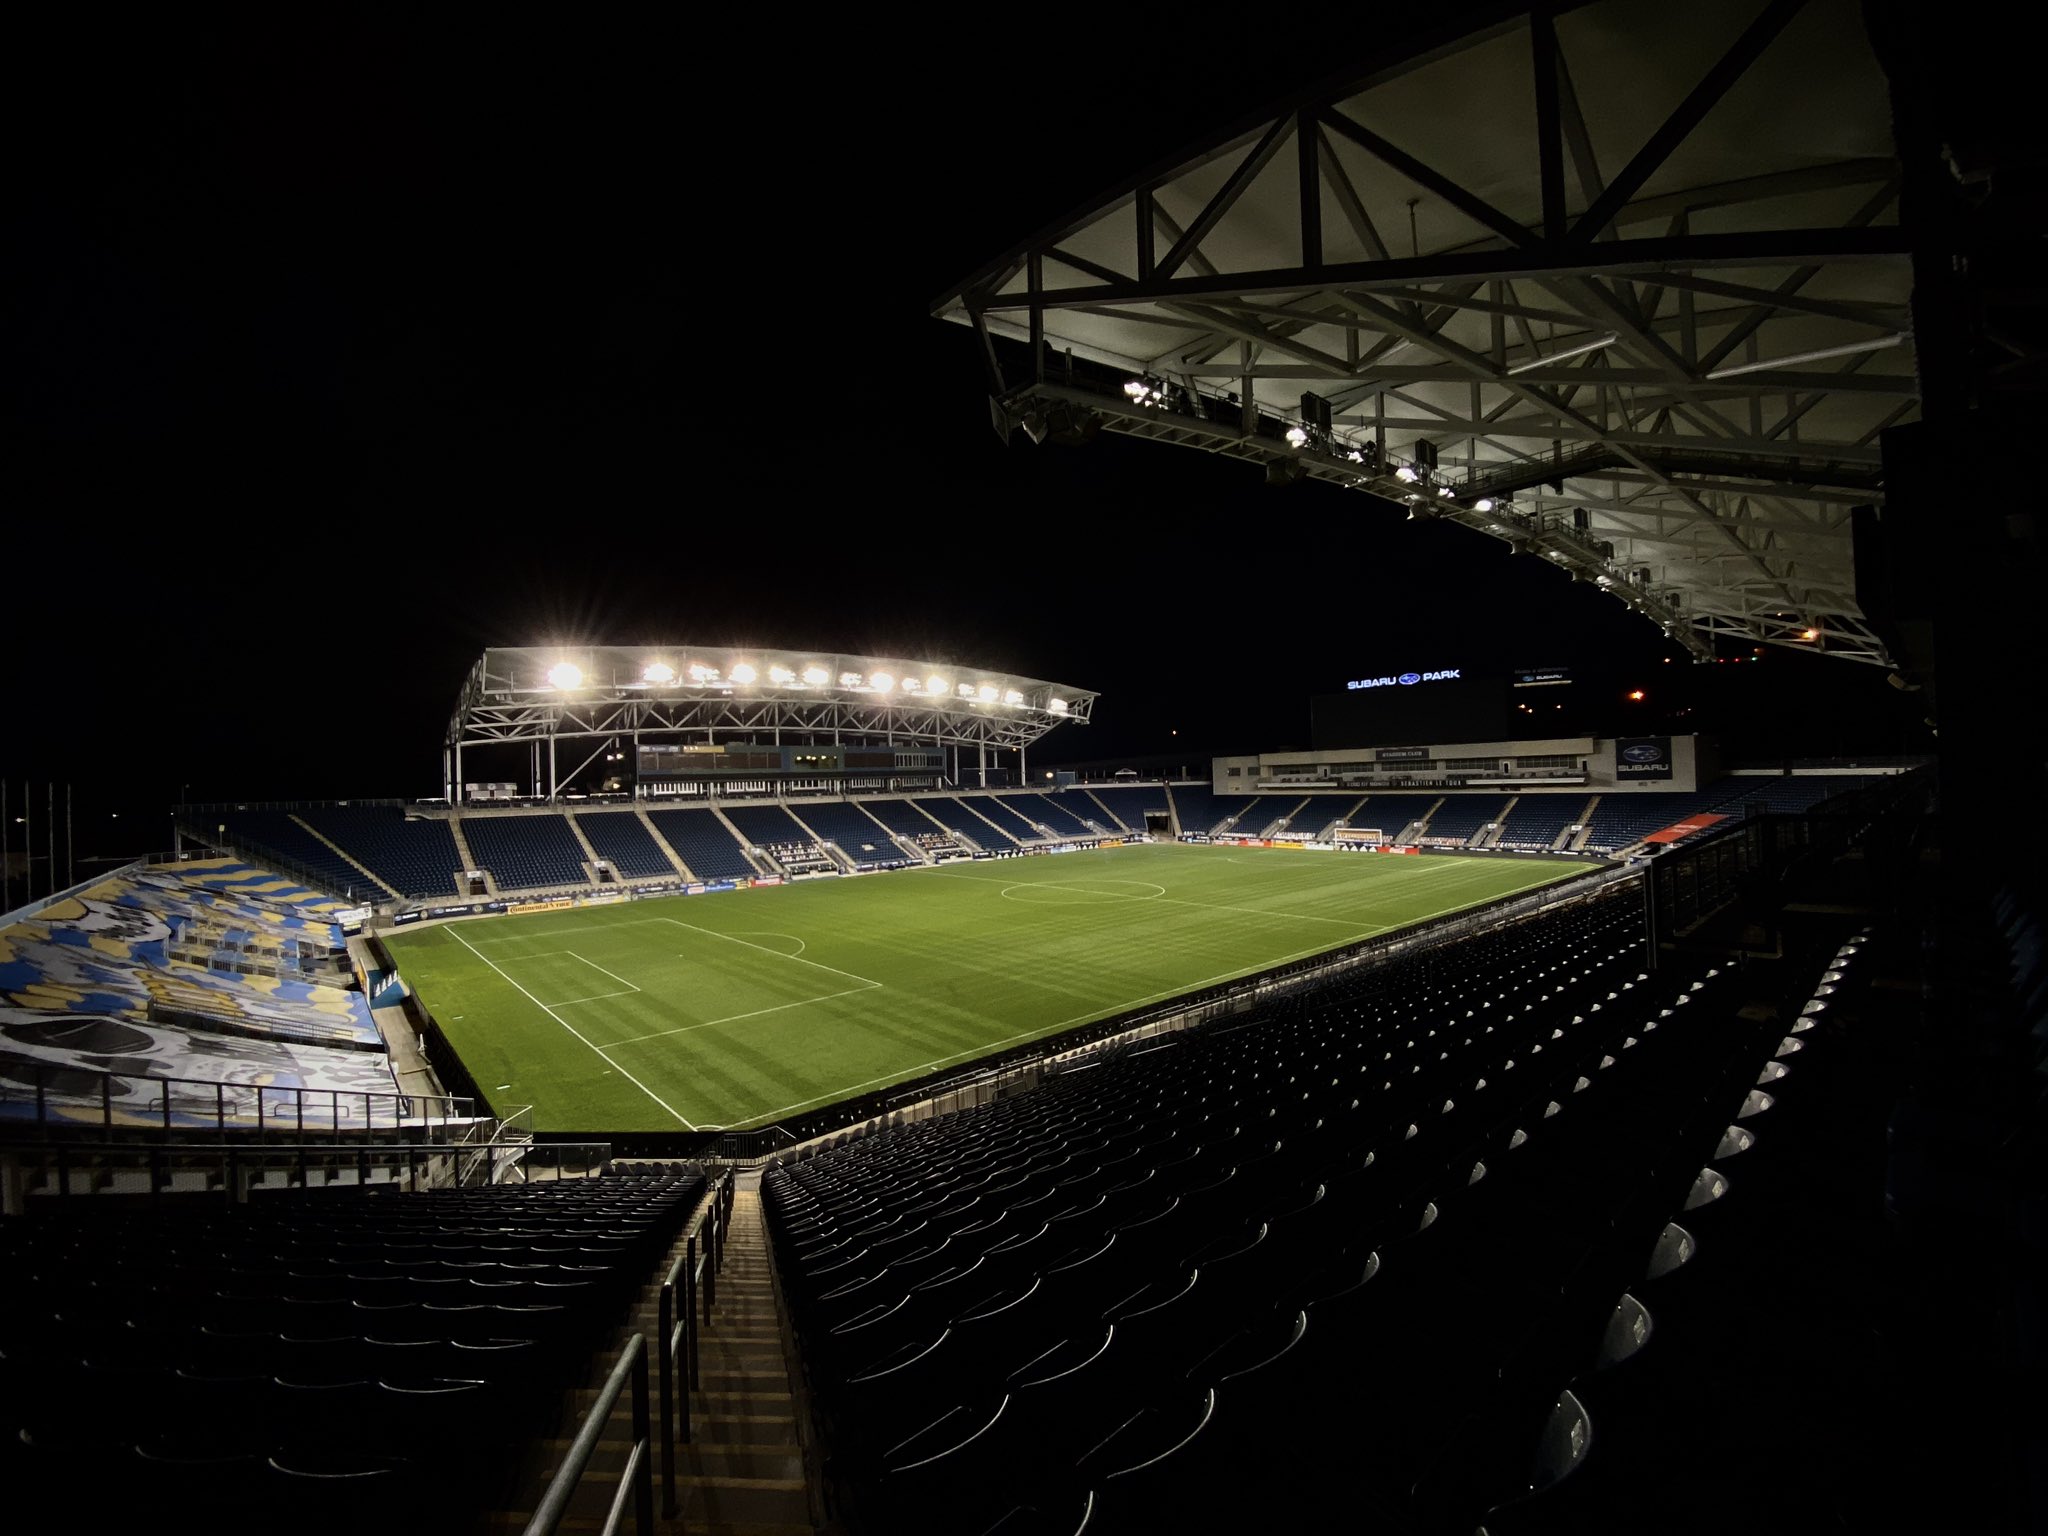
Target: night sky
x=328 y=361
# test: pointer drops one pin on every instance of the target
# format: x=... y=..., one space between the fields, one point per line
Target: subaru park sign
x=1405 y=679
x=1642 y=757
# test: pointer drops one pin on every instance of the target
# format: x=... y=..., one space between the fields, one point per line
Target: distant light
x=1297 y=437
x=1408 y=474
x=882 y=682
x=1048 y=773
x=658 y=672
x=1135 y=389
x=565 y=675
x=849 y=679
x=1355 y=456
x=1636 y=695
x=781 y=674
x=935 y=684
x=700 y=672
x=987 y=691
x=816 y=676
x=1058 y=707
x=1809 y=634
x=1445 y=490
x=744 y=672
x=1013 y=697
x=1483 y=504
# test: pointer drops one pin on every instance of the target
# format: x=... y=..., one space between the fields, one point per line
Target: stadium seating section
x=342 y=1363
x=1390 y=813
x=525 y=853
x=997 y=810
x=1537 y=820
x=964 y=823
x=853 y=831
x=1200 y=810
x=701 y=841
x=1129 y=803
x=1318 y=814
x=281 y=833
x=1325 y=1244
x=904 y=817
x=1054 y=812
x=413 y=857
x=213 y=971
x=1462 y=815
x=623 y=838
x=1084 y=806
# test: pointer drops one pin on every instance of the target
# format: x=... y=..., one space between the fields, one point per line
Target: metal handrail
x=637 y=1480
x=680 y=1328
x=403 y=1106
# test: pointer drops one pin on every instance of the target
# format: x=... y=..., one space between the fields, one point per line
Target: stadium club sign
x=1405 y=679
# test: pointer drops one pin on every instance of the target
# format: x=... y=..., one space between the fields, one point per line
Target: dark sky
x=328 y=360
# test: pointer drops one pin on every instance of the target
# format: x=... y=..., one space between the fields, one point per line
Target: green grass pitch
x=702 y=1012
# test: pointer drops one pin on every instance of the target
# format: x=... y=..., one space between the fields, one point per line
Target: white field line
x=1083 y=1018
x=732 y=1018
x=544 y=1008
x=778 y=954
x=595 y=997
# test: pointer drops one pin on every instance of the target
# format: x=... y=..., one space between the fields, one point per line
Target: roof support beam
x=1226 y=195
x=1475 y=208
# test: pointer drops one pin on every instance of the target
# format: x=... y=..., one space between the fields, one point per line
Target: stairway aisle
x=743 y=1474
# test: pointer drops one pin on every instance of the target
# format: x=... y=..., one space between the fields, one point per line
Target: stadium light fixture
x=849 y=679
x=1059 y=707
x=816 y=676
x=1809 y=634
x=658 y=672
x=1816 y=355
x=1407 y=474
x=911 y=685
x=966 y=690
x=1297 y=437
x=1636 y=695
x=1136 y=389
x=1483 y=504
x=565 y=675
x=986 y=693
x=935 y=684
x=781 y=675
x=1445 y=491
x=882 y=682
x=1595 y=345
x=701 y=672
x=1013 y=697
x=744 y=672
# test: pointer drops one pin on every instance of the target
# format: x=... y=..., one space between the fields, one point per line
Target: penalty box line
x=734 y=1018
x=865 y=981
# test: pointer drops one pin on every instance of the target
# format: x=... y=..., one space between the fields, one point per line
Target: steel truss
x=1664 y=351
x=508 y=698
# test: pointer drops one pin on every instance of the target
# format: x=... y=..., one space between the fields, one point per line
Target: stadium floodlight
x=882 y=682
x=849 y=679
x=701 y=672
x=987 y=693
x=1058 y=706
x=1136 y=389
x=966 y=690
x=744 y=672
x=565 y=675
x=1483 y=504
x=658 y=672
x=911 y=685
x=1563 y=353
x=816 y=676
x=935 y=684
x=1013 y=697
x=1818 y=354
x=781 y=676
x=1809 y=634
x=1297 y=437
x=1407 y=474
x=1445 y=491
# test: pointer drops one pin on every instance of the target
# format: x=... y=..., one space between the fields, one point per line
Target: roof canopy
x=1621 y=283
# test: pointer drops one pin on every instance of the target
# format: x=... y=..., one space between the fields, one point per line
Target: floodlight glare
x=987 y=691
x=816 y=676
x=849 y=679
x=1297 y=438
x=1057 y=706
x=658 y=672
x=565 y=675
x=743 y=673
x=1445 y=490
x=781 y=674
x=911 y=685
x=967 y=690
x=935 y=684
x=1407 y=474
x=700 y=673
x=1013 y=697
x=1135 y=389
x=1483 y=504
x=881 y=682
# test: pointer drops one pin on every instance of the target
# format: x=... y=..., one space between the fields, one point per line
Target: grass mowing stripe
x=544 y=1008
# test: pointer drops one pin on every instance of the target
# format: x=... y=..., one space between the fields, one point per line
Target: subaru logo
x=1644 y=753
x=1410 y=677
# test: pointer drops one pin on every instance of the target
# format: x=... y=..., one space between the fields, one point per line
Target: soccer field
x=710 y=1012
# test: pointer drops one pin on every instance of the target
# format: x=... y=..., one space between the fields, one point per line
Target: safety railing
x=63 y=1169
x=636 y=1482
x=691 y=1284
x=70 y=1098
